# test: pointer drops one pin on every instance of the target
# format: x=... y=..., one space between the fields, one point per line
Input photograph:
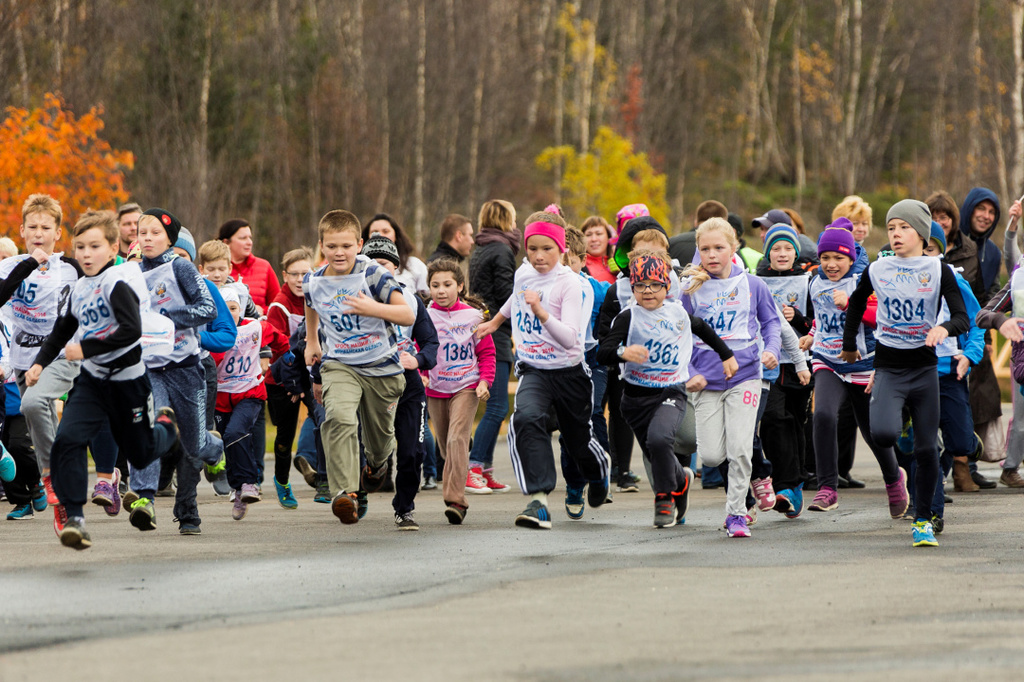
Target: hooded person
x=979 y=217
x=808 y=249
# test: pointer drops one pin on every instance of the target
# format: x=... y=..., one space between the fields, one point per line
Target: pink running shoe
x=736 y=527
x=899 y=498
x=764 y=493
x=826 y=499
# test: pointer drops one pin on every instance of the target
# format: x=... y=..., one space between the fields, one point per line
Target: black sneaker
x=627 y=484
x=361 y=503
x=406 y=522
x=536 y=515
x=682 y=498
x=455 y=514
x=323 y=492
x=665 y=511
x=74 y=535
x=373 y=479
x=597 y=494
x=937 y=524
x=189 y=529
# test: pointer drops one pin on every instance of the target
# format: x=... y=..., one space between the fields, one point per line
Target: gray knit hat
x=916 y=214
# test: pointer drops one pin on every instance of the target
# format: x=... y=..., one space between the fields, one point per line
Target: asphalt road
x=288 y=593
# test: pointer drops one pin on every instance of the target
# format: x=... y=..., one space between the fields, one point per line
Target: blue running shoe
x=924 y=535
x=574 y=502
x=323 y=492
x=536 y=515
x=22 y=513
x=7 y=467
x=39 y=499
x=792 y=502
x=284 y=495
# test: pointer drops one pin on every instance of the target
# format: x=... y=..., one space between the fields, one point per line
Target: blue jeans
x=482 y=454
x=429 y=452
x=306 y=447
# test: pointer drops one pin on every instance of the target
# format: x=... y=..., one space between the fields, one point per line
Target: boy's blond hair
x=295 y=255
x=651 y=236
x=211 y=251
x=104 y=220
x=7 y=247
x=854 y=208
x=339 y=221
x=575 y=242
x=42 y=203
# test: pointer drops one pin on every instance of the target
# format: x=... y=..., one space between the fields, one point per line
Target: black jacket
x=444 y=250
x=492 y=271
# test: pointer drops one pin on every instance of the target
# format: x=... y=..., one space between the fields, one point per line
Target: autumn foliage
x=48 y=150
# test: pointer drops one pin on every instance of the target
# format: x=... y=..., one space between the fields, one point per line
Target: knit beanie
x=186 y=242
x=171 y=224
x=629 y=212
x=543 y=229
x=379 y=246
x=780 y=232
x=837 y=240
x=915 y=213
x=939 y=237
x=842 y=222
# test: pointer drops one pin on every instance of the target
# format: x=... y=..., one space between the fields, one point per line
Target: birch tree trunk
x=474 y=133
x=800 y=167
x=1017 y=24
x=421 y=123
x=19 y=43
x=202 y=153
x=539 y=50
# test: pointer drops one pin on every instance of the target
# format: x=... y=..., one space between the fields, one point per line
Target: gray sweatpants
x=725 y=430
x=37 y=404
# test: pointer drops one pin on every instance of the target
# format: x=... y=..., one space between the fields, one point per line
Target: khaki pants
x=347 y=394
x=452 y=419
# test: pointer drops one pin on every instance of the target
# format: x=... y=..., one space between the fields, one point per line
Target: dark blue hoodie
x=989 y=255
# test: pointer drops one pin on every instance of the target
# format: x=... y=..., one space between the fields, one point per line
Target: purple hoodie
x=764 y=320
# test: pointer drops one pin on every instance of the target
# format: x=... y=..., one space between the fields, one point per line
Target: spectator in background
x=456 y=240
x=599 y=235
x=960 y=253
x=128 y=227
x=412 y=272
x=255 y=273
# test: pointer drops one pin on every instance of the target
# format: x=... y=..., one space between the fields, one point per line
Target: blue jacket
x=860 y=263
x=218 y=336
x=989 y=256
x=973 y=342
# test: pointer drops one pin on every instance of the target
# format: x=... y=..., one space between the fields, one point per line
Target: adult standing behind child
x=255 y=273
x=412 y=272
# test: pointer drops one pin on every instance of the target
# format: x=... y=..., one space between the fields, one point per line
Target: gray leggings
x=829 y=393
x=918 y=390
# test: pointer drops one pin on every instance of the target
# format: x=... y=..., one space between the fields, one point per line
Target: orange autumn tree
x=48 y=150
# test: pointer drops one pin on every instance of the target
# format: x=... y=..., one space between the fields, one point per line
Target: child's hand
x=840 y=299
x=806 y=342
x=962 y=365
x=313 y=352
x=318 y=393
x=482 y=392
x=264 y=365
x=32 y=375
x=361 y=304
x=296 y=397
x=936 y=336
x=635 y=353
x=1015 y=213
x=804 y=377
x=73 y=351
x=408 y=361
x=696 y=383
x=532 y=299
x=871 y=384
x=40 y=256
x=849 y=356
x=769 y=360
x=787 y=312
x=486 y=328
x=730 y=367
x=1011 y=330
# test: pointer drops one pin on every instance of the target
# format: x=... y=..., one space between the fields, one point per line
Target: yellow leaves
x=607 y=178
x=49 y=150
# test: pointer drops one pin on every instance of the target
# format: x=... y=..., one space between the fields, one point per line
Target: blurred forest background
x=279 y=110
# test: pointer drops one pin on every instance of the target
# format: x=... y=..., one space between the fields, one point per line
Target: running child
x=654 y=340
x=836 y=380
x=38 y=284
x=460 y=379
x=105 y=319
x=178 y=292
x=354 y=305
x=417 y=352
x=740 y=309
x=546 y=309
x=911 y=288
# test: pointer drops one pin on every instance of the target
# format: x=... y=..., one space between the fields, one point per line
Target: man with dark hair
x=456 y=239
x=128 y=227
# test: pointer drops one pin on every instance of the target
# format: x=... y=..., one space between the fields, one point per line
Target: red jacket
x=279 y=318
x=278 y=344
x=259 y=276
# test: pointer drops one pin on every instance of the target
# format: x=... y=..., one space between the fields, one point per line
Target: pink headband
x=556 y=232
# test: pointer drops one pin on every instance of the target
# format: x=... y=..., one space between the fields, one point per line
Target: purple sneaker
x=239 y=507
x=826 y=499
x=899 y=498
x=105 y=494
x=249 y=493
x=736 y=527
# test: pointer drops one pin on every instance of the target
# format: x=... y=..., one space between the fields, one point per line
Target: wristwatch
x=620 y=351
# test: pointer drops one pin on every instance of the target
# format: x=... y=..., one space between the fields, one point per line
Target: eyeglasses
x=654 y=287
x=299 y=275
